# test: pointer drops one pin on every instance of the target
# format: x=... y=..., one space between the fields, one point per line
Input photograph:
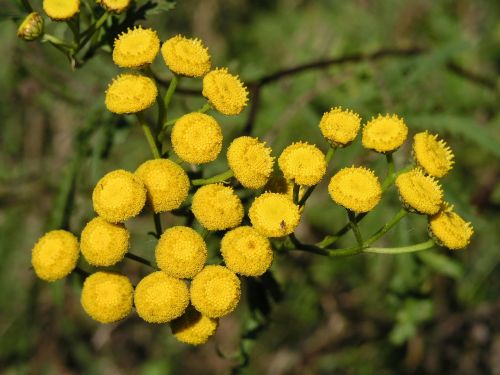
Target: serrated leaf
x=442 y=264
x=162 y=6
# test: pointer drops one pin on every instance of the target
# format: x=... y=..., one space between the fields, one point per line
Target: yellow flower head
x=193 y=328
x=197 y=138
x=115 y=6
x=215 y=291
x=226 y=92
x=55 y=254
x=355 y=188
x=136 y=48
x=274 y=215
x=61 y=10
x=185 y=56
x=340 y=127
x=166 y=184
x=217 y=207
x=181 y=252
x=432 y=155
x=103 y=243
x=449 y=229
x=384 y=133
x=118 y=196
x=250 y=161
x=419 y=193
x=107 y=296
x=160 y=298
x=130 y=93
x=303 y=163
x=246 y=251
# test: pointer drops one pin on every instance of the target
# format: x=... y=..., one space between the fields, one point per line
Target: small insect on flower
x=274 y=215
x=283 y=224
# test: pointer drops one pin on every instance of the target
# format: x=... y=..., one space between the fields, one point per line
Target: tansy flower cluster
x=191 y=286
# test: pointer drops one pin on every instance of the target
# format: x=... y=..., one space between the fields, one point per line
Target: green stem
x=89 y=33
x=296 y=190
x=307 y=194
x=402 y=213
x=354 y=226
x=401 y=250
x=157 y=220
x=389 y=179
x=74 y=25
x=80 y=272
x=149 y=136
x=361 y=249
x=140 y=259
x=55 y=41
x=169 y=94
x=304 y=247
x=211 y=180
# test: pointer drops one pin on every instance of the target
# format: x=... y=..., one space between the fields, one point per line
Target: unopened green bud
x=31 y=28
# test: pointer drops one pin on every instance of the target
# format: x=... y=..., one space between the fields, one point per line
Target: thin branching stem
x=221 y=177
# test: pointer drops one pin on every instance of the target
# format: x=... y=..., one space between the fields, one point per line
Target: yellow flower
x=185 y=56
x=160 y=298
x=274 y=215
x=136 y=48
x=197 y=138
x=246 y=251
x=55 y=254
x=118 y=196
x=303 y=163
x=107 y=296
x=103 y=243
x=181 y=252
x=250 y=161
x=340 y=127
x=166 y=184
x=115 y=6
x=384 y=133
x=226 y=92
x=193 y=328
x=217 y=207
x=61 y=10
x=355 y=188
x=449 y=229
x=433 y=155
x=419 y=193
x=215 y=291
x=130 y=93
x=31 y=28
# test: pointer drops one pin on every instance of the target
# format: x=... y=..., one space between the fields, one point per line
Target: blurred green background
x=435 y=312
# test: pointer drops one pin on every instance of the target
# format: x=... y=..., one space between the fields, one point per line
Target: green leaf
x=442 y=264
x=412 y=313
x=162 y=6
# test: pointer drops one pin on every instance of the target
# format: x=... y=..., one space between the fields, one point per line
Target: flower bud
x=31 y=28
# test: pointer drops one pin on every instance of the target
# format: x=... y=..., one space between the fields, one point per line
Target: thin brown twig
x=255 y=86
